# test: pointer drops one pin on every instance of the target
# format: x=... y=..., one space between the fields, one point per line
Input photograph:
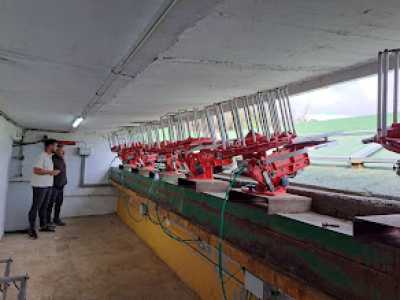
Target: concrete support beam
x=172 y=19
x=345 y=74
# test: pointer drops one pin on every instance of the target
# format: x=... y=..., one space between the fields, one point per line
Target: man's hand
x=55 y=172
x=39 y=171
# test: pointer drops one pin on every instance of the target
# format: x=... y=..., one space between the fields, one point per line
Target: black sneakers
x=47 y=229
x=32 y=234
x=59 y=222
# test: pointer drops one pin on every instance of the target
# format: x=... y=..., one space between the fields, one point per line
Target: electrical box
x=262 y=290
x=84 y=150
x=254 y=285
x=143 y=209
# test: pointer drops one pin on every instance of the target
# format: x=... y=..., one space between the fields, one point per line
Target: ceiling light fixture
x=77 y=122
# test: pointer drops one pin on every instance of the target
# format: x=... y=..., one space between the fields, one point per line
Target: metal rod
x=210 y=126
x=286 y=93
x=179 y=127
x=272 y=111
x=207 y=128
x=282 y=110
x=218 y=111
x=246 y=113
x=175 y=124
x=196 y=123
x=184 y=127
x=203 y=122
x=22 y=288
x=142 y=135
x=286 y=111
x=260 y=113
x=263 y=118
x=267 y=110
x=268 y=128
x=239 y=122
x=224 y=124
x=170 y=133
x=396 y=85
x=385 y=90
x=157 y=135
x=187 y=127
x=253 y=106
x=234 y=119
x=149 y=135
x=275 y=113
x=7 y=271
x=250 y=121
x=163 y=133
x=379 y=114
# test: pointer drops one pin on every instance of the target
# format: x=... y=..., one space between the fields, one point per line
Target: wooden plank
x=284 y=203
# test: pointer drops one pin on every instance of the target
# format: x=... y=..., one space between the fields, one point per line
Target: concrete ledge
x=346 y=206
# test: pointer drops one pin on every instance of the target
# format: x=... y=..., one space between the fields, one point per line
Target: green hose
x=221 y=226
x=168 y=233
x=159 y=222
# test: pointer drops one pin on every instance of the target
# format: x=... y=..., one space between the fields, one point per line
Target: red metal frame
x=268 y=161
x=391 y=140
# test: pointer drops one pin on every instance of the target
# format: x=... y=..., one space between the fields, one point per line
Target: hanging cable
x=188 y=242
x=170 y=234
x=151 y=218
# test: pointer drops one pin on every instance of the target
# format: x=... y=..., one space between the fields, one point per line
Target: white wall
x=77 y=200
x=8 y=132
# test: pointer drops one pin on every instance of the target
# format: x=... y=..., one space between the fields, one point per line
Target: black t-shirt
x=59 y=164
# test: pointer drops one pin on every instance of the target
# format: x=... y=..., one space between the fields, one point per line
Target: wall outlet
x=143 y=209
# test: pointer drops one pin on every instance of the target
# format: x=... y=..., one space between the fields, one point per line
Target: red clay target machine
x=255 y=133
x=388 y=133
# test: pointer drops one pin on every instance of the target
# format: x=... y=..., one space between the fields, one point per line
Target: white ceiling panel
x=92 y=33
x=244 y=46
x=54 y=55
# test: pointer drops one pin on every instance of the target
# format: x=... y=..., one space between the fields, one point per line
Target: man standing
x=60 y=181
x=42 y=183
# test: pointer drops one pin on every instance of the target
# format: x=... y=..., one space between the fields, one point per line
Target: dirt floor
x=91 y=258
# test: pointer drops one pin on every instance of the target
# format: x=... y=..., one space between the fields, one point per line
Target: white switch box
x=84 y=151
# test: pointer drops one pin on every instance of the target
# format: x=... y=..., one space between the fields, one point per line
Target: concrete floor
x=94 y=257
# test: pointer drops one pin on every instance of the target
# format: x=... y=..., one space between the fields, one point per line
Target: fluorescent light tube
x=77 y=122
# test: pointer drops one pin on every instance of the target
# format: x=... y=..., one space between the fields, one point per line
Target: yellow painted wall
x=196 y=271
x=193 y=269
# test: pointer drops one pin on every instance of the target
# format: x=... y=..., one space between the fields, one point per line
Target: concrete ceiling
x=55 y=55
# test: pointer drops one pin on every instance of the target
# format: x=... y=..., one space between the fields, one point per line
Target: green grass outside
x=345 y=124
